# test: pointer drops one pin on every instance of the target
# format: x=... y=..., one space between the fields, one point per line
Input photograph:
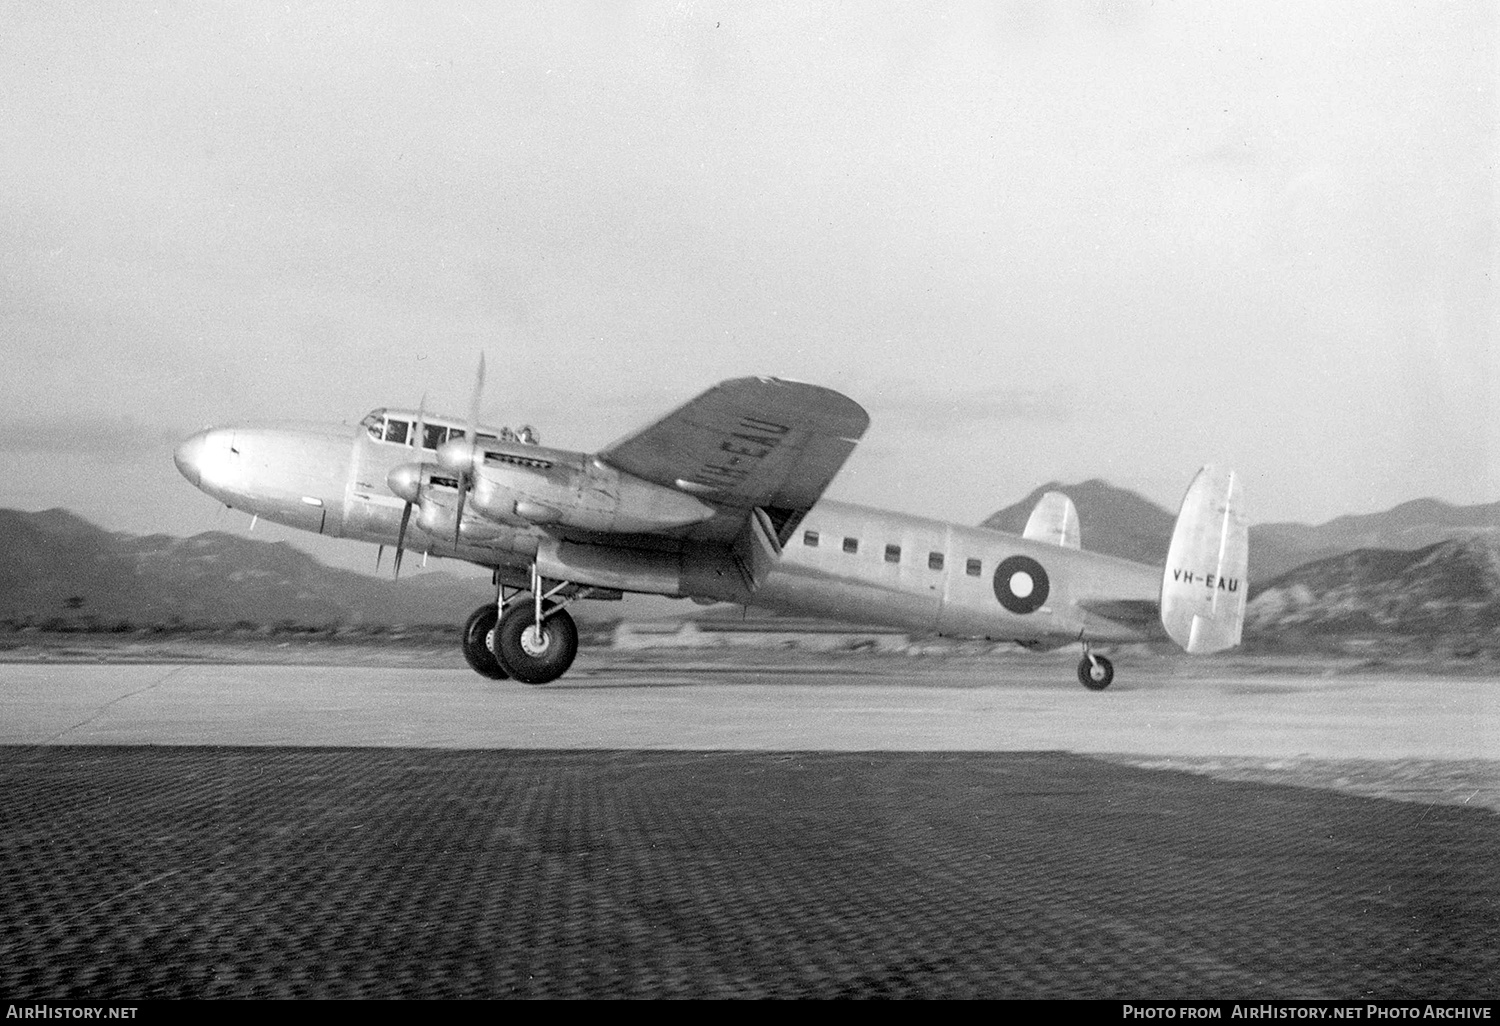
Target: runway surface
x=776 y=827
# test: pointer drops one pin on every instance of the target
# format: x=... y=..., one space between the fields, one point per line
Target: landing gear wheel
x=531 y=657
x=1096 y=673
x=477 y=643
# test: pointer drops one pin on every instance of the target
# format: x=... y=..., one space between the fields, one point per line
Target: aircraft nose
x=189 y=457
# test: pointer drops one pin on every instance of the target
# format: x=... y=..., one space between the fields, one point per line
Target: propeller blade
x=465 y=476
x=401 y=537
x=474 y=402
x=463 y=490
x=416 y=443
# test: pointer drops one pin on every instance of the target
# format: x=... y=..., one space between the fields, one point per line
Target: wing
x=745 y=443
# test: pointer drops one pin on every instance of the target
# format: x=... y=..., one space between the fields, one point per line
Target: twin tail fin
x=1204 y=583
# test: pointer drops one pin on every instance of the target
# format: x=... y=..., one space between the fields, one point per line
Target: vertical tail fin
x=1204 y=583
x=1054 y=521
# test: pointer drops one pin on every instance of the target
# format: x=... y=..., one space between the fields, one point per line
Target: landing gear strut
x=1094 y=671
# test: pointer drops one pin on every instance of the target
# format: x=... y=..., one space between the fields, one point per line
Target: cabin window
x=893 y=553
x=810 y=539
x=934 y=560
x=395 y=431
x=434 y=435
x=973 y=568
x=851 y=544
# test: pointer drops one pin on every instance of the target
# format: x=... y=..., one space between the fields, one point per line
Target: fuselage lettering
x=761 y=440
x=1211 y=581
x=758 y=440
x=756 y=424
x=737 y=450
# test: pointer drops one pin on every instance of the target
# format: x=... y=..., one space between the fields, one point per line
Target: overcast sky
x=1035 y=240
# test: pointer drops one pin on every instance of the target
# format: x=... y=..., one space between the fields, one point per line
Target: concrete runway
x=1233 y=718
x=875 y=703
x=759 y=826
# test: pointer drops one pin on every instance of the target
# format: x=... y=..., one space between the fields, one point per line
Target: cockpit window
x=383 y=427
x=434 y=435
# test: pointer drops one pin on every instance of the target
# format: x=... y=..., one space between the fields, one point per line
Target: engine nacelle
x=433 y=493
x=530 y=485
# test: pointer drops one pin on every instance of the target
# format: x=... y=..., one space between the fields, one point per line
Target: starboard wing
x=746 y=443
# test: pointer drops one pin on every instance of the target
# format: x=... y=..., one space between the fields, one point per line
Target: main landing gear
x=527 y=637
x=1094 y=671
x=479 y=634
x=535 y=650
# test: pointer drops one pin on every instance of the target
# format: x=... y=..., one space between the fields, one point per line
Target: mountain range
x=1121 y=523
x=59 y=566
x=1443 y=595
x=1419 y=568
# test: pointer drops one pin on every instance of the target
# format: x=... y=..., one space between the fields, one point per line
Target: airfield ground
x=241 y=819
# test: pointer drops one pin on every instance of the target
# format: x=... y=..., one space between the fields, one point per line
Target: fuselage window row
x=935 y=560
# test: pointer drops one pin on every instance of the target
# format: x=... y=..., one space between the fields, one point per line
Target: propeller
x=406 y=481
x=465 y=465
x=401 y=540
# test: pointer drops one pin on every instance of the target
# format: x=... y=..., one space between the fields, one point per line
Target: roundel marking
x=1021 y=584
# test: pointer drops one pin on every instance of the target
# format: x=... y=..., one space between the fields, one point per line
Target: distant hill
x=1111 y=520
x=58 y=565
x=1407 y=527
x=1446 y=594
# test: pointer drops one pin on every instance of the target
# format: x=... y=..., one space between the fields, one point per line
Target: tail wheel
x=477 y=635
x=1095 y=673
x=532 y=656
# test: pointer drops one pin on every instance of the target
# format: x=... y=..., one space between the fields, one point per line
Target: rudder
x=1204 y=583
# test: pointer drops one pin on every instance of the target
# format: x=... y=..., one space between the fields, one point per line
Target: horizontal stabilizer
x=1204 y=583
x=1054 y=522
x=1139 y=613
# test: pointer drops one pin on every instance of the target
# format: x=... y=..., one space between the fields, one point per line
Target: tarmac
x=755 y=825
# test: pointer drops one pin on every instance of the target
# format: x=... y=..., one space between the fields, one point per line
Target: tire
x=476 y=643
x=527 y=662
x=1095 y=675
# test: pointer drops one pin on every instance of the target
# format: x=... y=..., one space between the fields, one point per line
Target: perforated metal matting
x=262 y=872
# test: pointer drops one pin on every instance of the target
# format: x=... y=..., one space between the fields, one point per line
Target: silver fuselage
x=843 y=562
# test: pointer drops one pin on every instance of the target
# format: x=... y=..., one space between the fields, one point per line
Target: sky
x=1036 y=240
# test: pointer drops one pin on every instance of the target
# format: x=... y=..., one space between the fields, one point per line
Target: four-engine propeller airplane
x=719 y=501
